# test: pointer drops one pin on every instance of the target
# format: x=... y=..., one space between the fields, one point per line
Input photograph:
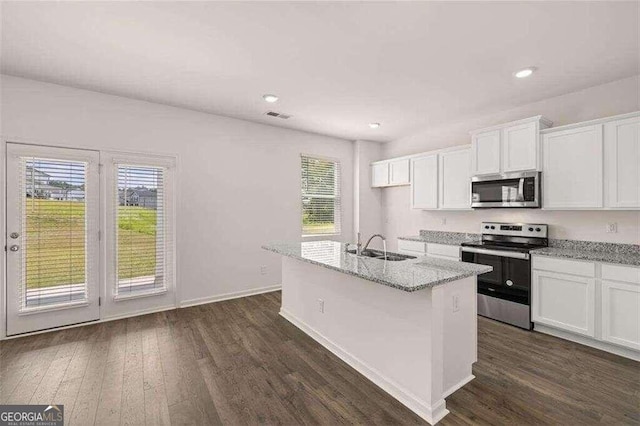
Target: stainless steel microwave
x=509 y=190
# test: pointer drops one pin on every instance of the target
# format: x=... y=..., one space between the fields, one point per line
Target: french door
x=52 y=253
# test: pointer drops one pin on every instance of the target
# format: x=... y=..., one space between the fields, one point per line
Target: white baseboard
x=458 y=385
x=229 y=296
x=100 y=321
x=137 y=313
x=598 y=344
x=184 y=304
x=430 y=414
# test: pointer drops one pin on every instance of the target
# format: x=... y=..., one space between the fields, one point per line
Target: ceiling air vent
x=277 y=115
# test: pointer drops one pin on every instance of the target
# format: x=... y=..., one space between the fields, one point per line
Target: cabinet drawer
x=627 y=274
x=443 y=250
x=585 y=269
x=412 y=246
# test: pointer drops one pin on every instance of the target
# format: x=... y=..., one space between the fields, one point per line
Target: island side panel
x=383 y=332
x=460 y=333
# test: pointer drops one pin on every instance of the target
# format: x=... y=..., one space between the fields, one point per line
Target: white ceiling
x=335 y=66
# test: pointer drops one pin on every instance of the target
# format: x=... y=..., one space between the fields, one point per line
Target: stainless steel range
x=505 y=293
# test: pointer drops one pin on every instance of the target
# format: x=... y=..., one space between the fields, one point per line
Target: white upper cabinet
x=520 y=147
x=390 y=173
x=455 y=180
x=573 y=177
x=424 y=182
x=380 y=174
x=399 y=172
x=622 y=163
x=510 y=147
x=485 y=153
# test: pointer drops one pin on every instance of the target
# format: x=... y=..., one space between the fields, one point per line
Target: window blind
x=54 y=225
x=142 y=230
x=321 y=208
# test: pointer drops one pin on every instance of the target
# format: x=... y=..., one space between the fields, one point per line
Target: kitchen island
x=409 y=326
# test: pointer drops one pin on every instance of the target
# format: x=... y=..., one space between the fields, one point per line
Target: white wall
x=368 y=219
x=601 y=101
x=238 y=182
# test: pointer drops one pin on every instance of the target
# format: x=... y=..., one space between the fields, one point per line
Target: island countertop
x=407 y=275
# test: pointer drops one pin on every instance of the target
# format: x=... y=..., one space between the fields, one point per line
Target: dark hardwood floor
x=238 y=362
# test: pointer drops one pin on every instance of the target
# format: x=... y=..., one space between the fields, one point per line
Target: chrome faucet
x=371 y=238
x=358 y=246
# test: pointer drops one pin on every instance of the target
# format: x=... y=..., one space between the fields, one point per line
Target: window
x=54 y=232
x=320 y=196
x=143 y=238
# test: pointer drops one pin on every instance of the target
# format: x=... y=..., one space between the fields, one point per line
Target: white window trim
x=337 y=210
x=112 y=159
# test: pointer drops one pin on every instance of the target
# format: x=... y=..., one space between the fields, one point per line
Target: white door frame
x=41 y=318
x=60 y=144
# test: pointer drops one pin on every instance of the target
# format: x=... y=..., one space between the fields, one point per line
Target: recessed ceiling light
x=270 y=98
x=524 y=72
x=374 y=125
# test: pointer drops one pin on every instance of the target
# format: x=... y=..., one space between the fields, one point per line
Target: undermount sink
x=379 y=254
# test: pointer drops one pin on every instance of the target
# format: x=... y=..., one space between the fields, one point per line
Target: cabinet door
x=520 y=147
x=399 y=172
x=573 y=168
x=443 y=251
x=485 y=153
x=621 y=313
x=622 y=163
x=564 y=301
x=412 y=248
x=380 y=174
x=455 y=180
x=424 y=182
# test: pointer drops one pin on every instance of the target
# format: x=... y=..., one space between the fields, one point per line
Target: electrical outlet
x=612 y=228
x=456 y=302
x=263 y=270
x=321 y=305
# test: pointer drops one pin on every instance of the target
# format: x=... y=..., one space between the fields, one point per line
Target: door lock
x=14 y=247
x=14 y=235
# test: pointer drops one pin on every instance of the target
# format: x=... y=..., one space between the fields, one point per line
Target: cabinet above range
x=509 y=147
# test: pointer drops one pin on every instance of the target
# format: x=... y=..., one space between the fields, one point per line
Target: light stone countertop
x=620 y=254
x=407 y=275
x=442 y=237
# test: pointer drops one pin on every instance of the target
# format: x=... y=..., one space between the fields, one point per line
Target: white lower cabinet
x=438 y=251
x=621 y=313
x=598 y=301
x=443 y=251
x=564 y=301
x=412 y=248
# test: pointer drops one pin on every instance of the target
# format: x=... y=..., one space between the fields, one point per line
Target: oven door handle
x=500 y=253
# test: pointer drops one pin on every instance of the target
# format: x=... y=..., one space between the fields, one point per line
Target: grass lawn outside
x=55 y=244
x=318 y=228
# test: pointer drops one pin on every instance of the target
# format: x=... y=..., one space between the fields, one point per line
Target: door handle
x=14 y=247
x=14 y=235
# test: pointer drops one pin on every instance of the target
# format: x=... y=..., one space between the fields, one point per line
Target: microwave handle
x=521 y=190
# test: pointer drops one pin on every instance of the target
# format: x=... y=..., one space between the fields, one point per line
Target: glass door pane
x=52 y=237
x=54 y=228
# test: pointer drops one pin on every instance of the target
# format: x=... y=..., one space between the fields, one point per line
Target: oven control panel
x=514 y=229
